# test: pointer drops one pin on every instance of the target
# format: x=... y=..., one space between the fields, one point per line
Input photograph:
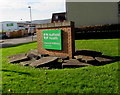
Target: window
x=56 y=17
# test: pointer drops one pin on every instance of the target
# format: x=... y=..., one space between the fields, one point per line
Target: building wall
x=119 y=12
x=92 y=13
x=119 y=19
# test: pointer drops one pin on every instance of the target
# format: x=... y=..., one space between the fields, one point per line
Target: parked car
x=3 y=36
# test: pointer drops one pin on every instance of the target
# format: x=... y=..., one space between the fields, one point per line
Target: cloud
x=92 y=0
x=12 y=4
x=18 y=9
x=23 y=3
x=45 y=9
x=48 y=6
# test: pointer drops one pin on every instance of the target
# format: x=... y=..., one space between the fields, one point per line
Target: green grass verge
x=97 y=79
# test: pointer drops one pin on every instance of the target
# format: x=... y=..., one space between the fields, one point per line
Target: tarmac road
x=16 y=41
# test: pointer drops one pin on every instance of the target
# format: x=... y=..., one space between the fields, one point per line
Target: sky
x=17 y=10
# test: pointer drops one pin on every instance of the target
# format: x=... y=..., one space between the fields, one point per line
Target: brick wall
x=67 y=38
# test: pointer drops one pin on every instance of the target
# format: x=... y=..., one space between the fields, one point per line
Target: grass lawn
x=97 y=79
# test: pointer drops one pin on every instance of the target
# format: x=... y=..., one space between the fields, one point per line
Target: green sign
x=52 y=39
x=10 y=24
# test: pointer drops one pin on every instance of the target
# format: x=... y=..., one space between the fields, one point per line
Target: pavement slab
x=84 y=58
x=18 y=58
x=102 y=59
x=43 y=61
x=75 y=62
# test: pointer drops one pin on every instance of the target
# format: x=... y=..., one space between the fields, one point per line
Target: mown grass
x=97 y=79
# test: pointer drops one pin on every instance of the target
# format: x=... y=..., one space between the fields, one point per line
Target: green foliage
x=97 y=79
x=96 y=28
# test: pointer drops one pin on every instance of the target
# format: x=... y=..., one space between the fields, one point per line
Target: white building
x=13 y=26
x=8 y=26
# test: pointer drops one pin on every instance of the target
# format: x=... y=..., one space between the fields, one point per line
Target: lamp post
x=30 y=21
x=2 y=26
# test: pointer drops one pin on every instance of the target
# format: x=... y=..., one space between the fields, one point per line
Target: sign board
x=52 y=39
x=9 y=24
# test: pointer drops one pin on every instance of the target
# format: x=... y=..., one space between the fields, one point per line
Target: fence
x=97 y=31
x=18 y=33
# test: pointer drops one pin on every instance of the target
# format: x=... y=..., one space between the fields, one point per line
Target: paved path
x=15 y=41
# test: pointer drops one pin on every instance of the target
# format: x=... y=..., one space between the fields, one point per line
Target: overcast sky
x=17 y=10
x=92 y=0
